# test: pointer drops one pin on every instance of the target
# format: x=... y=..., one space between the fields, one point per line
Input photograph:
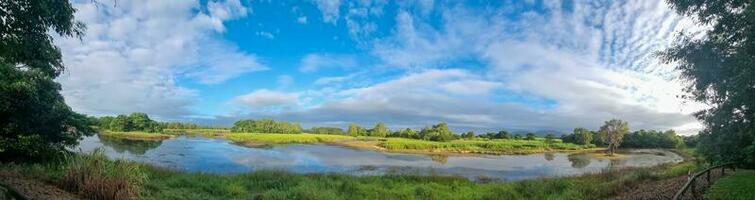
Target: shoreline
x=256 y=140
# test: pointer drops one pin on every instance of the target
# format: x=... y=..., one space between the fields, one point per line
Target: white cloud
x=133 y=53
x=330 y=10
x=265 y=34
x=285 y=81
x=301 y=20
x=314 y=62
x=593 y=61
x=265 y=98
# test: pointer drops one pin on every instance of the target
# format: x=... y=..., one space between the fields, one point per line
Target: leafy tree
x=120 y=123
x=327 y=130
x=691 y=141
x=35 y=121
x=468 y=135
x=503 y=134
x=438 y=132
x=379 y=131
x=652 y=139
x=530 y=136
x=178 y=125
x=265 y=126
x=550 y=138
x=719 y=71
x=356 y=130
x=408 y=133
x=582 y=136
x=598 y=139
x=518 y=136
x=613 y=131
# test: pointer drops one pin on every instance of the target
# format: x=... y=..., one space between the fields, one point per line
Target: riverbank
x=159 y=183
x=403 y=145
x=135 y=135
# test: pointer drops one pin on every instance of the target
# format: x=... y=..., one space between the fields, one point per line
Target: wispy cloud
x=314 y=62
x=133 y=54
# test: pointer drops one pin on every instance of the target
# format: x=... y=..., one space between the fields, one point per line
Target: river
x=212 y=155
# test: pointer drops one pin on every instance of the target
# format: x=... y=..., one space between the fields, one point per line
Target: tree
x=530 y=136
x=719 y=71
x=468 y=135
x=503 y=134
x=409 y=133
x=613 y=131
x=582 y=136
x=379 y=131
x=517 y=136
x=266 y=126
x=438 y=132
x=35 y=121
x=550 y=138
x=355 y=130
x=326 y=130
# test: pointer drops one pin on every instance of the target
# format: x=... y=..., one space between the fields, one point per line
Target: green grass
x=207 y=132
x=137 y=135
x=167 y=184
x=274 y=138
x=740 y=185
x=508 y=146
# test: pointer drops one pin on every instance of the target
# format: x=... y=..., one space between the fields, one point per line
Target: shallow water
x=199 y=154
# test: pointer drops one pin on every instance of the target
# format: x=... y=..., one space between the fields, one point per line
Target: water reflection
x=549 y=156
x=136 y=147
x=442 y=159
x=220 y=156
x=580 y=160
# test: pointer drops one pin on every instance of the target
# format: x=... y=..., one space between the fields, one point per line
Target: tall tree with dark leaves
x=720 y=71
x=35 y=121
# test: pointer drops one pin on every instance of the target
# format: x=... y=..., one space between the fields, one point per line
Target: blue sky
x=478 y=65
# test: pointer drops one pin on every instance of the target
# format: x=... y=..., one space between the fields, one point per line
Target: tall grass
x=275 y=138
x=93 y=176
x=135 y=135
x=481 y=146
x=207 y=132
x=167 y=184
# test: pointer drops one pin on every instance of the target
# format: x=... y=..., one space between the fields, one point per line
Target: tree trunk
x=610 y=149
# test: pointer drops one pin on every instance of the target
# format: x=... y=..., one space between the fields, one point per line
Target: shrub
x=93 y=176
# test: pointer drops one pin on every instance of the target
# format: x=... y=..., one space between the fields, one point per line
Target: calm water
x=199 y=154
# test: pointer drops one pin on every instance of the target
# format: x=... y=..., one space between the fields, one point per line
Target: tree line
x=136 y=121
x=613 y=134
x=265 y=126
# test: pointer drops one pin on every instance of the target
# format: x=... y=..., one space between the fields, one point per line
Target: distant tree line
x=179 y=125
x=265 y=126
x=132 y=122
x=326 y=130
x=503 y=134
x=637 y=139
x=652 y=139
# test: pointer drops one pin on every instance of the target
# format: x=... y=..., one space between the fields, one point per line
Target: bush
x=93 y=176
x=652 y=139
x=326 y=130
x=265 y=126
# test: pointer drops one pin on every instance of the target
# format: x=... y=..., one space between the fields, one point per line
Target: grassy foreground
x=740 y=185
x=135 y=135
x=93 y=174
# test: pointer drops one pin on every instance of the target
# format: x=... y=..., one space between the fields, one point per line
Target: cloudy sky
x=478 y=65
